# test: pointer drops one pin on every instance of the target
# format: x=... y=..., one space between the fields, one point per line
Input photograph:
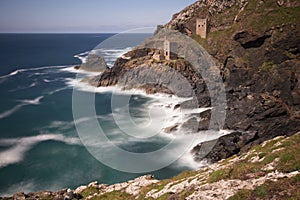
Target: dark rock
x=191 y=125
x=176 y=106
x=250 y=40
x=171 y=129
x=259 y=67
x=204 y=120
x=223 y=147
x=177 y=78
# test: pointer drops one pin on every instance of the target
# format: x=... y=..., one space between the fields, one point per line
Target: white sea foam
x=47 y=80
x=10 y=74
x=66 y=125
x=32 y=85
x=187 y=160
x=79 y=71
x=26 y=87
x=24 y=102
x=35 y=101
x=82 y=56
x=57 y=90
x=24 y=186
x=30 y=69
x=110 y=55
x=162 y=110
x=19 y=146
x=11 y=111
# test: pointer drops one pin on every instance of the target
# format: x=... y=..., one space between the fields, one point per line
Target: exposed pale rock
x=93 y=184
x=271 y=166
x=135 y=186
x=226 y=188
x=80 y=189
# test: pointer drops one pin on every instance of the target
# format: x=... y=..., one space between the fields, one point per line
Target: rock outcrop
x=95 y=63
x=256 y=46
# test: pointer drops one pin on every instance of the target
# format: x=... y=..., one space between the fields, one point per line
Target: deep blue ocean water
x=39 y=146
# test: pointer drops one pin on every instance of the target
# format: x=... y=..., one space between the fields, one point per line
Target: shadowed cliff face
x=256 y=44
x=138 y=72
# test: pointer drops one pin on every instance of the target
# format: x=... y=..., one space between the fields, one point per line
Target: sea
x=40 y=147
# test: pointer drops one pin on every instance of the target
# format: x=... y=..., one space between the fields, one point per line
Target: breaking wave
x=29 y=69
x=19 y=146
x=24 y=102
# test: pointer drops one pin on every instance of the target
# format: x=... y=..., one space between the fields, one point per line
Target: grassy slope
x=282 y=153
x=258 y=18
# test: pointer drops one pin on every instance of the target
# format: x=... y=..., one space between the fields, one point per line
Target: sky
x=85 y=16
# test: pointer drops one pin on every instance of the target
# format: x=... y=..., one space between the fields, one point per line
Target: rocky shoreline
x=272 y=167
x=259 y=66
x=256 y=48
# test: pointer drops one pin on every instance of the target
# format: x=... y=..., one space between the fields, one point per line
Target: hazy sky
x=85 y=15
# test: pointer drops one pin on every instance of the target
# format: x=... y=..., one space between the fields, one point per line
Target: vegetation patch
x=115 y=195
x=268 y=67
x=289 y=160
x=89 y=191
x=219 y=175
x=286 y=188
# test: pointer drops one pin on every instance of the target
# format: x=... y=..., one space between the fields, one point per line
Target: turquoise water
x=39 y=145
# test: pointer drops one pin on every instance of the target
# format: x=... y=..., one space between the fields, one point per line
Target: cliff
x=255 y=45
x=267 y=171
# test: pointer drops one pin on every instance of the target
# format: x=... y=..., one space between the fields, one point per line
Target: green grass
x=286 y=188
x=262 y=155
x=219 y=175
x=89 y=191
x=115 y=195
x=256 y=18
x=288 y=161
x=269 y=67
x=241 y=195
x=269 y=158
x=261 y=191
x=242 y=169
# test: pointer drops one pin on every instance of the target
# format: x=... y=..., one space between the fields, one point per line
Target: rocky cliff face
x=256 y=46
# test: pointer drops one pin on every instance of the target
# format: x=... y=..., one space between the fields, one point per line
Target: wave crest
x=19 y=146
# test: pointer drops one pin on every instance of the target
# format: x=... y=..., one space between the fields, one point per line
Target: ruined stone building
x=201 y=27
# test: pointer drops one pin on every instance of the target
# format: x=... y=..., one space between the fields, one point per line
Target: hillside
x=256 y=44
x=267 y=171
